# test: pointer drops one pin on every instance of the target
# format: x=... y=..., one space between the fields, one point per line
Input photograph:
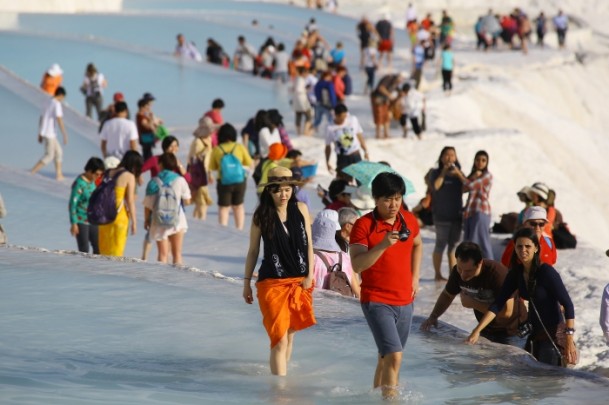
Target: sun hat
x=118 y=96
x=55 y=70
x=111 y=162
x=277 y=151
x=323 y=235
x=281 y=176
x=541 y=189
x=331 y=215
x=526 y=190
x=362 y=199
x=533 y=213
x=206 y=128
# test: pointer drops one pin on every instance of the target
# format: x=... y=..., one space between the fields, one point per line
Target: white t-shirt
x=310 y=83
x=158 y=232
x=266 y=138
x=245 y=54
x=412 y=104
x=51 y=112
x=344 y=136
x=118 y=133
x=189 y=51
x=370 y=57
x=281 y=61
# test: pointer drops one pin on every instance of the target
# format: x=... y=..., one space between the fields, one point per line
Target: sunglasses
x=537 y=224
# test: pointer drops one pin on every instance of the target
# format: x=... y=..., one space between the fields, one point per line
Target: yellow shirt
x=239 y=151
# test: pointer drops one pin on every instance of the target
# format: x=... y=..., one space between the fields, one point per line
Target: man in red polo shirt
x=386 y=249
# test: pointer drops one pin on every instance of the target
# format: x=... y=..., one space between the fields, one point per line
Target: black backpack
x=337 y=279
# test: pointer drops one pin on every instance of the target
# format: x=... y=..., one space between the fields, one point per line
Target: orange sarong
x=284 y=305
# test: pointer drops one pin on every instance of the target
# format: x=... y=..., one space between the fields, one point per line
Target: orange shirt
x=547 y=254
x=50 y=83
x=389 y=280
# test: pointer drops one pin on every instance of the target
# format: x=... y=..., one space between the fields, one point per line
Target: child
x=413 y=108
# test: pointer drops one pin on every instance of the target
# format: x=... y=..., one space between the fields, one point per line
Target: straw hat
x=281 y=176
x=55 y=70
x=323 y=235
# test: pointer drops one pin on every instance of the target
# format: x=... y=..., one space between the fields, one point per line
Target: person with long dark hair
x=551 y=338
x=477 y=213
x=113 y=236
x=446 y=208
x=285 y=277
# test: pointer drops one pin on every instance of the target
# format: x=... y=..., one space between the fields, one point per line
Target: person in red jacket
x=536 y=218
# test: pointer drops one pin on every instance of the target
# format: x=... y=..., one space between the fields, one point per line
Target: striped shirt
x=479 y=191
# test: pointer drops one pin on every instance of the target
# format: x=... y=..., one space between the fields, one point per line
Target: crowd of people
x=516 y=29
x=366 y=243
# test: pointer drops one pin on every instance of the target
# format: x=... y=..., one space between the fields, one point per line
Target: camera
x=404 y=233
x=524 y=329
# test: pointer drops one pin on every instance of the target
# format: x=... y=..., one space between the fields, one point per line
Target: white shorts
x=52 y=151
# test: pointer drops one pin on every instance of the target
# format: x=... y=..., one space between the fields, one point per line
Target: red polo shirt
x=389 y=279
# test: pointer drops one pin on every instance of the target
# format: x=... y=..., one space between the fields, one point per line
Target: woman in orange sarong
x=285 y=277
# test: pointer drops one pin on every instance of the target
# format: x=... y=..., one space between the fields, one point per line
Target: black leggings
x=447 y=79
x=87 y=234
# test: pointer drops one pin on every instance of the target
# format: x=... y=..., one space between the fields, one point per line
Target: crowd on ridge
x=337 y=240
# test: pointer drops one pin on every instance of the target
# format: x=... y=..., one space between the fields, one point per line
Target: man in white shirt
x=52 y=113
x=347 y=135
x=243 y=59
x=186 y=50
x=119 y=134
x=413 y=108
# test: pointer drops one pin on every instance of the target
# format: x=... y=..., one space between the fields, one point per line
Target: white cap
x=111 y=162
x=55 y=70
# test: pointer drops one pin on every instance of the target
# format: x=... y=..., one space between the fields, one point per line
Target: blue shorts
x=390 y=325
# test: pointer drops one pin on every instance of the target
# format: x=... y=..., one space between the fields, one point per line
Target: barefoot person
x=386 y=249
x=285 y=277
x=52 y=114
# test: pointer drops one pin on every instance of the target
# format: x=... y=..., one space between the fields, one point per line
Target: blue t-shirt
x=447 y=60
x=337 y=55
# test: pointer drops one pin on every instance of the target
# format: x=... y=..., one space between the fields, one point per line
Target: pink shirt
x=321 y=271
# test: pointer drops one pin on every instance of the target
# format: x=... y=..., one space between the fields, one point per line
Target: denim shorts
x=389 y=324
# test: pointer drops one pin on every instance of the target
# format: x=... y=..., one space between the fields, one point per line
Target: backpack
x=94 y=85
x=563 y=238
x=257 y=175
x=102 y=207
x=325 y=100
x=231 y=169
x=166 y=210
x=198 y=174
x=337 y=279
